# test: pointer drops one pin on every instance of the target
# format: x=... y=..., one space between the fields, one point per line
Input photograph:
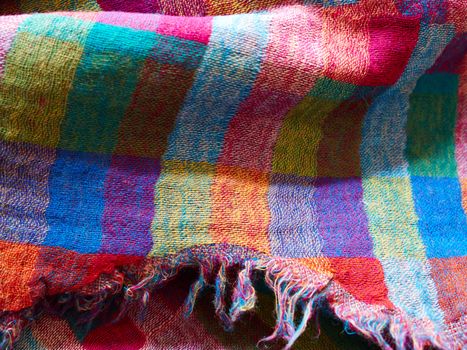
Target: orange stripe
x=17 y=263
x=240 y=213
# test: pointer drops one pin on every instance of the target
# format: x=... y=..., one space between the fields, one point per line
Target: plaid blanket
x=316 y=147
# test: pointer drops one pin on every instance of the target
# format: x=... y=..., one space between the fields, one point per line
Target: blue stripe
x=386 y=178
x=442 y=222
x=76 y=201
x=224 y=79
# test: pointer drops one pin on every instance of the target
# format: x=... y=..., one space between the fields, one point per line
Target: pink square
x=189 y=28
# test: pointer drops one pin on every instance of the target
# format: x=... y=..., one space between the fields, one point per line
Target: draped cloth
x=313 y=149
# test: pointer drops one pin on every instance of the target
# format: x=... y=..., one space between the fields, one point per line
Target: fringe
x=296 y=288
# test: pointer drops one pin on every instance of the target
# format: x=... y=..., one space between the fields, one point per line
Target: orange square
x=319 y=265
x=240 y=213
x=17 y=264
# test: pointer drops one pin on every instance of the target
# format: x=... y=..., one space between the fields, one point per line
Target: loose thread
x=195 y=288
x=294 y=286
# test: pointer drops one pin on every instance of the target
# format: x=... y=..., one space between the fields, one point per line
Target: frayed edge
x=10 y=328
x=390 y=329
x=298 y=291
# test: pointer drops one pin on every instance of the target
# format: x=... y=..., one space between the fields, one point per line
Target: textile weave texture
x=162 y=326
x=315 y=149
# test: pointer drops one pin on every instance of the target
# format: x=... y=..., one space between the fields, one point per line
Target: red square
x=363 y=278
x=392 y=41
x=63 y=270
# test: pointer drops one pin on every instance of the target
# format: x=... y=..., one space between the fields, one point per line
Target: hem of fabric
x=299 y=293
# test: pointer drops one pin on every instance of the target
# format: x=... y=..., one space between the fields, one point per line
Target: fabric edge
x=299 y=292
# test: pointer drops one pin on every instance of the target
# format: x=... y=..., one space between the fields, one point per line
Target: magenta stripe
x=189 y=28
x=166 y=7
x=461 y=133
x=253 y=131
x=129 y=205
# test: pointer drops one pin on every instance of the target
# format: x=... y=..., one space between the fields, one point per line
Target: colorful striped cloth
x=317 y=149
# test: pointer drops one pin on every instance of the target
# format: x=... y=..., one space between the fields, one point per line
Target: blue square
x=442 y=221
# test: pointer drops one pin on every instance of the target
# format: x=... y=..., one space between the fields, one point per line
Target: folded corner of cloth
x=314 y=149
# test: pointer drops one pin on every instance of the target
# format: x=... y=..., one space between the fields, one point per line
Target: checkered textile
x=316 y=147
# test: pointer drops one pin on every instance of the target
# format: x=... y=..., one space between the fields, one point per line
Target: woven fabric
x=161 y=325
x=316 y=147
